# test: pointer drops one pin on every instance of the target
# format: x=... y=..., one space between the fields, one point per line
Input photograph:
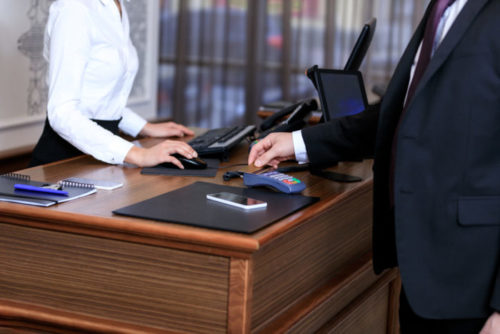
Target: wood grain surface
x=310 y=255
x=77 y=267
x=136 y=284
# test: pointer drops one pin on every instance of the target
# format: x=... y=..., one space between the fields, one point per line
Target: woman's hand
x=162 y=152
x=165 y=129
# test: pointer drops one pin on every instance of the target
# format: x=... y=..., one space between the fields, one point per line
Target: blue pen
x=45 y=190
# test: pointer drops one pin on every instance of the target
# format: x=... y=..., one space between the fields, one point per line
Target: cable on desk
x=231 y=175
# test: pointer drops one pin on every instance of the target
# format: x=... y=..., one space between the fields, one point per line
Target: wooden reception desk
x=76 y=267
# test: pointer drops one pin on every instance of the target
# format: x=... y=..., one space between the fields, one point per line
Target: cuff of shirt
x=299 y=147
x=131 y=123
x=120 y=149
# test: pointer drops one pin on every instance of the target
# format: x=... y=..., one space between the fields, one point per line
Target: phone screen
x=237 y=200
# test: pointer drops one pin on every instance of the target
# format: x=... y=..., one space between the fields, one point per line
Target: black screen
x=341 y=93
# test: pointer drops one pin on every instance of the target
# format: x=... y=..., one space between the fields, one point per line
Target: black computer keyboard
x=220 y=140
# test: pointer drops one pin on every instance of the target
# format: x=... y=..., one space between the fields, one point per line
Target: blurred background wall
x=208 y=63
x=221 y=59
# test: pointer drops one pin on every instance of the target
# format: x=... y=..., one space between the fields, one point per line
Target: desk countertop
x=96 y=210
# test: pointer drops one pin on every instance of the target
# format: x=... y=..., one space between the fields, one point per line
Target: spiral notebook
x=8 y=193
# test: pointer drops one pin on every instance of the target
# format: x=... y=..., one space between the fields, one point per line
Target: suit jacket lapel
x=396 y=91
x=457 y=30
x=392 y=103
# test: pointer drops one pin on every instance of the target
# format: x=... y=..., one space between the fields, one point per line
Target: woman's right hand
x=162 y=152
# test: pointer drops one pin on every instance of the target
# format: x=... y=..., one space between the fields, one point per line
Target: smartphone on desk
x=237 y=201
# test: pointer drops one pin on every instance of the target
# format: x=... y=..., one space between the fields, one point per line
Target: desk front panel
x=306 y=258
x=129 y=283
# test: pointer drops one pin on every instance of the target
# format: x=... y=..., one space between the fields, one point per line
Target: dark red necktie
x=424 y=58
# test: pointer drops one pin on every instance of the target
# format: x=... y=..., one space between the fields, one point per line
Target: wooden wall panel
x=20 y=330
x=341 y=293
x=240 y=296
x=367 y=315
x=116 y=280
x=14 y=162
x=307 y=257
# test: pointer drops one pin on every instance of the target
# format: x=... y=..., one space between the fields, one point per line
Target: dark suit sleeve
x=350 y=138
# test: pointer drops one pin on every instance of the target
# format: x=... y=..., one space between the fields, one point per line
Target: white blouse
x=92 y=66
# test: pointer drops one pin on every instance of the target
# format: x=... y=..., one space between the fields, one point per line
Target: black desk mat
x=189 y=205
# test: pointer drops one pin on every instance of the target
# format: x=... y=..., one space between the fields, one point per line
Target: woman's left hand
x=165 y=129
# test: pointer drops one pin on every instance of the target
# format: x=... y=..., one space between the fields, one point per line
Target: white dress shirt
x=444 y=26
x=92 y=66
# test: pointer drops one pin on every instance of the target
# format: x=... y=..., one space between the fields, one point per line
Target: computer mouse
x=194 y=163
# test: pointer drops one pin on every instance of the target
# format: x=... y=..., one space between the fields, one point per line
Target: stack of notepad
x=18 y=188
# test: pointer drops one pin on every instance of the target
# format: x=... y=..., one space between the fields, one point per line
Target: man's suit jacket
x=444 y=227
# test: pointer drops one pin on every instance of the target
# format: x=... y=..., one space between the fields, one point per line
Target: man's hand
x=166 y=129
x=492 y=325
x=272 y=150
